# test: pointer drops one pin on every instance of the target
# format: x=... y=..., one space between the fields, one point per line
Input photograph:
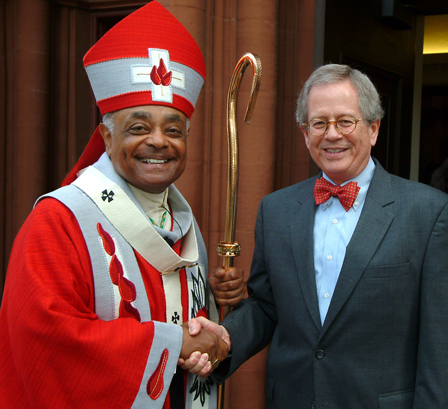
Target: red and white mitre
x=148 y=58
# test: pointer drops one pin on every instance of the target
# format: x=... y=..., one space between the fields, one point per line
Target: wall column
x=25 y=126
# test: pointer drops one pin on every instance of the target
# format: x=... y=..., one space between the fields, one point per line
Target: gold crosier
x=228 y=248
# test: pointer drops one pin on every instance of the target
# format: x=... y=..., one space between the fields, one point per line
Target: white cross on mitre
x=141 y=74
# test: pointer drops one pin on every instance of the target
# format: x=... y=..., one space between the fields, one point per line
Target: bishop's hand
x=228 y=287
x=201 y=351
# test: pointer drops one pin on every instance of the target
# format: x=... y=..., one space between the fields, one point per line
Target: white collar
x=150 y=201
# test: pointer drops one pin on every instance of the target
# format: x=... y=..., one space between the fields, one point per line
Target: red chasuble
x=55 y=352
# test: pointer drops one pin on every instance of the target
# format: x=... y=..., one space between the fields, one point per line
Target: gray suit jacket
x=384 y=342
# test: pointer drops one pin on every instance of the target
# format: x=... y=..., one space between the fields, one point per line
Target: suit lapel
x=302 y=226
x=373 y=224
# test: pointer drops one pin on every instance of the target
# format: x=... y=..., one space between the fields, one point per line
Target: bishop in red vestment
x=106 y=269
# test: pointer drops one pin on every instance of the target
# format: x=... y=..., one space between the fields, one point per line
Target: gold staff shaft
x=228 y=248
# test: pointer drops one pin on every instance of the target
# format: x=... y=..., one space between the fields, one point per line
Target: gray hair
x=368 y=97
x=108 y=121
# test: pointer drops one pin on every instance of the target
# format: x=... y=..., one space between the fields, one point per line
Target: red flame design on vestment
x=126 y=287
x=160 y=75
x=108 y=242
x=155 y=385
x=126 y=310
x=202 y=312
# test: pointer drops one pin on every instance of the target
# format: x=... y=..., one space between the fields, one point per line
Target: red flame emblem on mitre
x=160 y=75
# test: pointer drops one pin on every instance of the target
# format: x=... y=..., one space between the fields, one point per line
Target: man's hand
x=199 y=363
x=196 y=325
x=228 y=286
x=200 y=351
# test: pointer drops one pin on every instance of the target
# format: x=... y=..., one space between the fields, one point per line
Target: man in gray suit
x=351 y=295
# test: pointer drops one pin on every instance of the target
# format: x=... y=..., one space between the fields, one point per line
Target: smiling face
x=341 y=157
x=148 y=146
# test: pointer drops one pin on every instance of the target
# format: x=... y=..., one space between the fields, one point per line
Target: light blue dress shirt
x=333 y=229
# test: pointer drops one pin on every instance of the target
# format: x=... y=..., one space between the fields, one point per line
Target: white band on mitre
x=128 y=75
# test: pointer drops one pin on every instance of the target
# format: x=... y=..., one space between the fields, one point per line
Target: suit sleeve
x=432 y=377
x=252 y=323
x=56 y=353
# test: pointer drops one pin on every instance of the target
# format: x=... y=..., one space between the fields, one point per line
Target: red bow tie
x=323 y=190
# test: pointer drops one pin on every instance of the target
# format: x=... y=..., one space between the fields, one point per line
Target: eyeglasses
x=345 y=125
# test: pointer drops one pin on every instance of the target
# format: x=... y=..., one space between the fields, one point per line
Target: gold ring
x=215 y=363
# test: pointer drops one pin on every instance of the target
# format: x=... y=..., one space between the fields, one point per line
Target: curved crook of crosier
x=229 y=248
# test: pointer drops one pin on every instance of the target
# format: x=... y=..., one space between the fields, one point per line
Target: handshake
x=205 y=344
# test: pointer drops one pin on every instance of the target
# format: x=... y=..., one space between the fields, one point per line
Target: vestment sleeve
x=56 y=353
